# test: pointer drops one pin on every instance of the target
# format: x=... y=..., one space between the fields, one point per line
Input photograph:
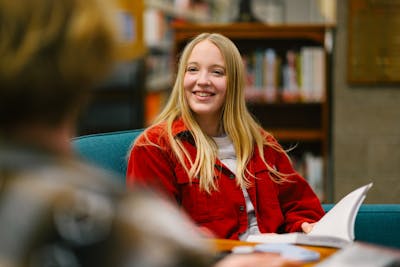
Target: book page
x=339 y=221
x=335 y=229
x=298 y=238
x=289 y=238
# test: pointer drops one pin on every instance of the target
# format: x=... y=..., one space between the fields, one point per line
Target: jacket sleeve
x=151 y=165
x=298 y=201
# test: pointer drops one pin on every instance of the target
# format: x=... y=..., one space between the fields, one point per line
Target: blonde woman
x=207 y=153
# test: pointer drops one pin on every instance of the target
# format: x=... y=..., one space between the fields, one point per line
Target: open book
x=335 y=229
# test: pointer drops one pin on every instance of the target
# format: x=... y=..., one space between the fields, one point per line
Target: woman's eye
x=219 y=72
x=191 y=69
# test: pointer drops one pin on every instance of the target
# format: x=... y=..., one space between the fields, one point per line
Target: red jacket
x=278 y=207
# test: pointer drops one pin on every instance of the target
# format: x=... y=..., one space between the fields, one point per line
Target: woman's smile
x=203 y=94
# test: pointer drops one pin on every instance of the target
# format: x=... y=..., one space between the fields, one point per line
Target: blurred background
x=323 y=77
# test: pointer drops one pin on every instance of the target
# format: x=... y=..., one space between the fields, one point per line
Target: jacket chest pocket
x=267 y=190
x=200 y=205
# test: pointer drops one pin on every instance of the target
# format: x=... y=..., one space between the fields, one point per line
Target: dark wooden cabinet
x=118 y=102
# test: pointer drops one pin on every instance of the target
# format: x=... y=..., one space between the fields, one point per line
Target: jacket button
x=231 y=176
x=241 y=208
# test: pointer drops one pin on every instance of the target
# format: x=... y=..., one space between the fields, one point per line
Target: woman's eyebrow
x=218 y=66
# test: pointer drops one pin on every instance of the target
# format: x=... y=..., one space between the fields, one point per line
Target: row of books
x=294 y=76
x=159 y=14
x=311 y=167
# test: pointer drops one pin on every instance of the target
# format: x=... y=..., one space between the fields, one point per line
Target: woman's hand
x=307 y=227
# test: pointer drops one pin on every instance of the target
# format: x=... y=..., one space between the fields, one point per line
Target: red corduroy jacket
x=278 y=207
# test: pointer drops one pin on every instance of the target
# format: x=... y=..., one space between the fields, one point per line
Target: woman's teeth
x=203 y=94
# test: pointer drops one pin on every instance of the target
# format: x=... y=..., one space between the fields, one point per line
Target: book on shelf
x=290 y=82
x=312 y=73
x=271 y=75
x=314 y=172
x=334 y=229
x=295 y=76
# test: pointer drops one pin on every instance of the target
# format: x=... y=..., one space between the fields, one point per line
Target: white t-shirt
x=227 y=155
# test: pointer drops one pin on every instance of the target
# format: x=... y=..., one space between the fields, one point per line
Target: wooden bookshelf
x=306 y=124
x=118 y=102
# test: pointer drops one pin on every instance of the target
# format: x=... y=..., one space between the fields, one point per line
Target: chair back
x=107 y=150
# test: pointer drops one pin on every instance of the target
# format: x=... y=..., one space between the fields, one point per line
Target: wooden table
x=226 y=245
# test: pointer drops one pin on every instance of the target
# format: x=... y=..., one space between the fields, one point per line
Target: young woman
x=209 y=155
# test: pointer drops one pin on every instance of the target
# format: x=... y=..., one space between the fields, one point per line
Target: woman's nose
x=203 y=79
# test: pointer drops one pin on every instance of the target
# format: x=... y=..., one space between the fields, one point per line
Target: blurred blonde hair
x=237 y=122
x=51 y=52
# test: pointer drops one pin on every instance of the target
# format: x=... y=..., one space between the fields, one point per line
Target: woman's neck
x=211 y=127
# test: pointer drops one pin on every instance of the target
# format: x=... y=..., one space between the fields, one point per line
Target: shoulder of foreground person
x=74 y=211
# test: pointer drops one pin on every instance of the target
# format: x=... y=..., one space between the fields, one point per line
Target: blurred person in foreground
x=54 y=209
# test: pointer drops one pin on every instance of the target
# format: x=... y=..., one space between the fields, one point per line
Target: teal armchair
x=375 y=223
x=107 y=150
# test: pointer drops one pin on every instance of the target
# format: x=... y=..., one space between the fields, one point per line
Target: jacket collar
x=181 y=131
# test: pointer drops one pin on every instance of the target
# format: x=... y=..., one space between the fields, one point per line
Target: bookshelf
x=301 y=123
x=118 y=102
x=158 y=37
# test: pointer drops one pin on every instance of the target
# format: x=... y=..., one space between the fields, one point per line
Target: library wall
x=366 y=129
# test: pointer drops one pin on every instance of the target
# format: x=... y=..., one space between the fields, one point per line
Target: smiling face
x=205 y=82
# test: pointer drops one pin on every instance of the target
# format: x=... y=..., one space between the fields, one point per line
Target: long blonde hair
x=237 y=122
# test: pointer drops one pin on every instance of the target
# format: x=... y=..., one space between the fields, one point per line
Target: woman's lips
x=203 y=94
